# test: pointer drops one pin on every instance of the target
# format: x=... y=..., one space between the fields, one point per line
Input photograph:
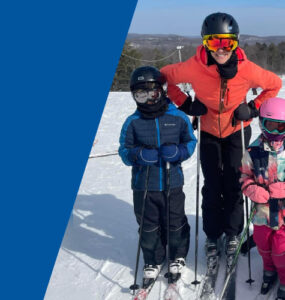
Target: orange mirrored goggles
x=227 y=42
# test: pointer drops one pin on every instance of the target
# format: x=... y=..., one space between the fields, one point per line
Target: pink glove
x=256 y=193
x=277 y=190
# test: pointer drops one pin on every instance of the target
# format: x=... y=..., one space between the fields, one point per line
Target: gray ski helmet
x=146 y=74
x=220 y=23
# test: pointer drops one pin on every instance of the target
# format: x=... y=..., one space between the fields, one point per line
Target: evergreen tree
x=130 y=60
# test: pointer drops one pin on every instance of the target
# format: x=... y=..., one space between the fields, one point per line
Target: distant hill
x=170 y=41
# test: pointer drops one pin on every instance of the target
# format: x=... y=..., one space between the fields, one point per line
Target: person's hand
x=277 y=190
x=173 y=153
x=185 y=107
x=245 y=112
x=196 y=108
x=256 y=193
x=169 y=152
x=144 y=156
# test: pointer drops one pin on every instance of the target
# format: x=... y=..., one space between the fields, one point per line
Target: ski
x=230 y=291
x=209 y=281
x=147 y=286
x=143 y=292
x=172 y=291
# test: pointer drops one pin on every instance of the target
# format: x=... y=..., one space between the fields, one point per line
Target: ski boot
x=150 y=273
x=281 y=292
x=232 y=243
x=212 y=254
x=269 y=277
x=176 y=268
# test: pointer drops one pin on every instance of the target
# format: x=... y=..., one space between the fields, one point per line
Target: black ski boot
x=281 y=292
x=269 y=277
x=211 y=247
x=212 y=254
x=232 y=243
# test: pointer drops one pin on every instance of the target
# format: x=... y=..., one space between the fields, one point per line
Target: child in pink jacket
x=263 y=181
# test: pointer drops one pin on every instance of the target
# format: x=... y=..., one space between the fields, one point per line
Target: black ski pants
x=222 y=204
x=154 y=232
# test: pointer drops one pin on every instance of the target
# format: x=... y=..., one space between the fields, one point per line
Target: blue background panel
x=58 y=59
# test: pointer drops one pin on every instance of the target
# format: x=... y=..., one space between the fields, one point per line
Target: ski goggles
x=273 y=126
x=150 y=91
x=214 y=42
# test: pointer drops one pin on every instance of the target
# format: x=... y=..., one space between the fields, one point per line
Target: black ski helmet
x=220 y=23
x=146 y=74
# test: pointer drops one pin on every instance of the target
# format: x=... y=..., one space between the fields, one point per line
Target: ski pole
x=236 y=254
x=168 y=218
x=197 y=201
x=135 y=286
x=250 y=280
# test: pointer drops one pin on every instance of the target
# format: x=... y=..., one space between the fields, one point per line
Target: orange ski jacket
x=220 y=96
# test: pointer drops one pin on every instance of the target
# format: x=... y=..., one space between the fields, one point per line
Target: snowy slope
x=97 y=256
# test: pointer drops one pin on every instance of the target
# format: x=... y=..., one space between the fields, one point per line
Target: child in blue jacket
x=156 y=133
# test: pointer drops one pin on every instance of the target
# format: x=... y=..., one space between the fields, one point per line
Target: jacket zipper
x=223 y=91
x=158 y=145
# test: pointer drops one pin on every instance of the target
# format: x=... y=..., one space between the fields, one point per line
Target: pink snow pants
x=271 y=246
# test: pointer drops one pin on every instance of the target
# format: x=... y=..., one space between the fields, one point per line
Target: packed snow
x=96 y=260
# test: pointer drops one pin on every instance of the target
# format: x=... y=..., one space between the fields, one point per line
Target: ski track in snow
x=96 y=260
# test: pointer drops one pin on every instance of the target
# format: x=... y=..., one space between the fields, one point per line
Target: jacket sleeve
x=179 y=72
x=247 y=176
x=175 y=94
x=187 y=137
x=126 y=142
x=268 y=81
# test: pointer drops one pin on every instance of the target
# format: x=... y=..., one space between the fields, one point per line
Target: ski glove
x=173 y=153
x=144 y=156
x=245 y=112
x=256 y=193
x=185 y=107
x=277 y=190
x=196 y=108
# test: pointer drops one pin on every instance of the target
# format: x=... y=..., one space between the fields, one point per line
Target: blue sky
x=185 y=17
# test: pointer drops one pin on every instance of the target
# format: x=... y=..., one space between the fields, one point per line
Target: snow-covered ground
x=97 y=256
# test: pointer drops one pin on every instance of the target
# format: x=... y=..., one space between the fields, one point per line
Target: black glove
x=245 y=112
x=198 y=108
x=195 y=108
x=185 y=107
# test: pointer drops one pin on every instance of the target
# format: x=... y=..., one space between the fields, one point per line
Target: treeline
x=270 y=57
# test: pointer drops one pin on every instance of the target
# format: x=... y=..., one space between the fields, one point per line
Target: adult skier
x=221 y=76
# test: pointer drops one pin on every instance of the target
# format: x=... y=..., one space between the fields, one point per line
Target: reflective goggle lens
x=227 y=42
x=143 y=96
x=273 y=126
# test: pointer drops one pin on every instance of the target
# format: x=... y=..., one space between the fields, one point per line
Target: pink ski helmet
x=273 y=109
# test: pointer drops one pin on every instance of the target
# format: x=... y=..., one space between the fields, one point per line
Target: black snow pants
x=222 y=204
x=153 y=242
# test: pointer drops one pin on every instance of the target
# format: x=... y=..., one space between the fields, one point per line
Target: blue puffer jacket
x=173 y=127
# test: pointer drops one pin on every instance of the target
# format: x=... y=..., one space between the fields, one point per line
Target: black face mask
x=227 y=70
x=152 y=111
